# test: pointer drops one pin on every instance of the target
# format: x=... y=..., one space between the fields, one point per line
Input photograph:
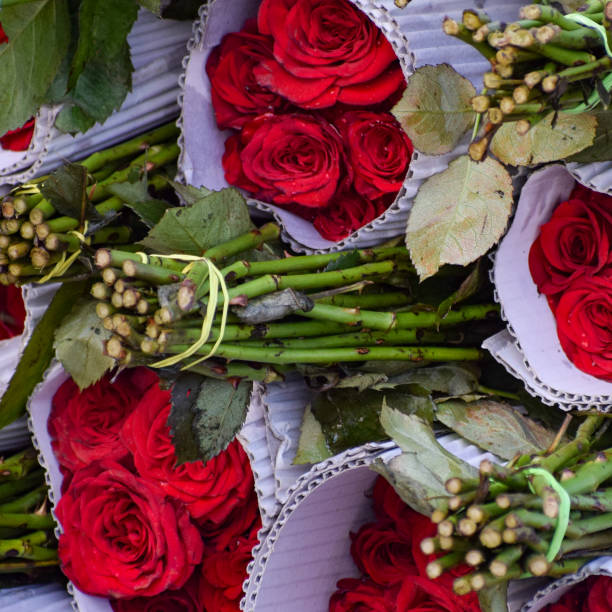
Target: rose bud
x=12 y=312
x=19 y=139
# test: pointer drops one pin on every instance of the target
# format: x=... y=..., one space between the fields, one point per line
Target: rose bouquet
x=136 y=527
x=308 y=86
x=393 y=565
x=569 y=262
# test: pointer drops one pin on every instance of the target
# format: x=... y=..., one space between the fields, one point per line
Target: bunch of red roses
x=137 y=528
x=570 y=262
x=388 y=554
x=307 y=85
x=591 y=595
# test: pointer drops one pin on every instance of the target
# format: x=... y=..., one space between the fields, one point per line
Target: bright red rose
x=287 y=159
x=382 y=554
x=12 y=311
x=121 y=539
x=584 y=324
x=575 y=242
x=378 y=150
x=326 y=51
x=179 y=600
x=355 y=595
x=419 y=594
x=236 y=95
x=348 y=212
x=223 y=573
x=210 y=491
x=84 y=425
x=19 y=139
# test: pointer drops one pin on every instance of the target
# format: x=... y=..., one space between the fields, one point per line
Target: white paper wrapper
x=545 y=369
x=416 y=35
x=40 y=597
x=554 y=591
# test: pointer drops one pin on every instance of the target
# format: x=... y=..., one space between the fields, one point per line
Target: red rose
x=600 y=594
x=19 y=139
x=380 y=553
x=354 y=595
x=84 y=425
x=12 y=311
x=378 y=150
x=243 y=519
x=121 y=539
x=3 y=36
x=236 y=96
x=348 y=212
x=210 y=491
x=223 y=573
x=287 y=159
x=179 y=600
x=419 y=594
x=326 y=51
x=575 y=242
x=584 y=324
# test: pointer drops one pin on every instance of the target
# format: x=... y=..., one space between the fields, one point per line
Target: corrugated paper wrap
x=417 y=38
x=530 y=348
x=157 y=48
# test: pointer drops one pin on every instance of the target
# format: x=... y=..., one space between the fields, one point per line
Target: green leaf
x=494 y=426
x=311 y=446
x=601 y=149
x=448 y=379
x=136 y=197
x=38 y=353
x=39 y=34
x=66 y=189
x=543 y=143
x=71 y=120
x=190 y=194
x=458 y=214
x=206 y=414
x=419 y=473
x=435 y=108
x=467 y=289
x=362 y=380
x=155 y=6
x=79 y=344
x=350 y=417
x=216 y=218
x=346 y=260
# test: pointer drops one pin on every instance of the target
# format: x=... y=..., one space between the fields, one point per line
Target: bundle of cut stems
x=34 y=236
x=546 y=61
x=503 y=523
x=341 y=315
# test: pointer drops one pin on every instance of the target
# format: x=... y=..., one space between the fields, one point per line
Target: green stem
x=26 y=502
x=15 y=487
x=590 y=475
x=26 y=566
x=595 y=541
x=498 y=393
x=250 y=240
x=27 y=521
x=368 y=300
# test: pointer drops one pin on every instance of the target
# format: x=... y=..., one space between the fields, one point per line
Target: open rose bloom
x=289 y=100
x=554 y=281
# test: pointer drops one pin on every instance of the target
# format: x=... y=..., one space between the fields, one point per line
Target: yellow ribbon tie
x=63 y=265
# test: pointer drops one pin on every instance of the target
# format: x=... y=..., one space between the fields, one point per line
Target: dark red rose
x=243 y=519
x=578 y=598
x=347 y=213
x=12 y=311
x=575 y=242
x=84 y=425
x=378 y=150
x=19 y=139
x=223 y=573
x=179 y=600
x=287 y=159
x=584 y=324
x=210 y=491
x=236 y=95
x=121 y=539
x=355 y=595
x=600 y=594
x=326 y=51
x=419 y=594
x=382 y=554
x=3 y=36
